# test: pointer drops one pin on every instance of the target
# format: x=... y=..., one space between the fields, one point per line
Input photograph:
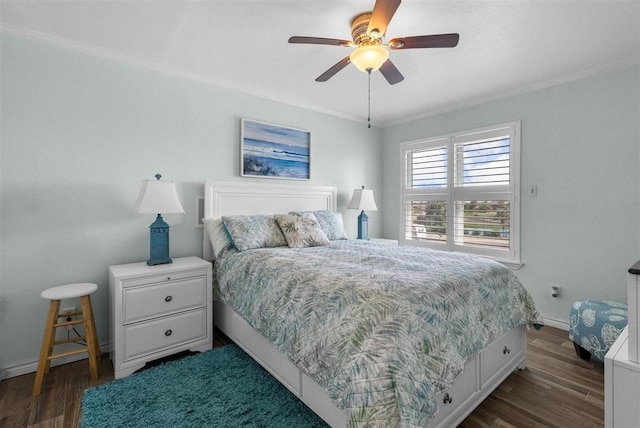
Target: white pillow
x=218 y=234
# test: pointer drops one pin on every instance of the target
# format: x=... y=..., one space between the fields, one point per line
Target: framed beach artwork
x=274 y=151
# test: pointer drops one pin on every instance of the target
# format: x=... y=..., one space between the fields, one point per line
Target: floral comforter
x=383 y=328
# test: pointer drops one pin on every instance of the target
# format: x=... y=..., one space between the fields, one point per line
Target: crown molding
x=95 y=51
x=592 y=72
x=122 y=58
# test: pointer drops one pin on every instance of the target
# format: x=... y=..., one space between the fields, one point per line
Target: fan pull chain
x=369 y=106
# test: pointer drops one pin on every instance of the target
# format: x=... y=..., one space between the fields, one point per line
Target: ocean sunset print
x=274 y=151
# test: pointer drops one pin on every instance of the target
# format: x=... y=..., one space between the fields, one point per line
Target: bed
x=372 y=357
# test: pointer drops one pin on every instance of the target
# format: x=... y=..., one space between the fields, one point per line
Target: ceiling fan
x=367 y=31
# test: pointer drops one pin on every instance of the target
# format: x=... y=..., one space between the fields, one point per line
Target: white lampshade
x=362 y=200
x=369 y=57
x=158 y=197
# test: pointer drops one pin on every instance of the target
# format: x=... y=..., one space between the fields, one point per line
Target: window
x=460 y=192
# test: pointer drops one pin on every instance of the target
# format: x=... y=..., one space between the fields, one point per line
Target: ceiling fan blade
x=333 y=70
x=319 y=41
x=391 y=73
x=381 y=16
x=433 y=41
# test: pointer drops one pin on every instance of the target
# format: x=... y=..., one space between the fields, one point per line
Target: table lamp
x=362 y=199
x=158 y=197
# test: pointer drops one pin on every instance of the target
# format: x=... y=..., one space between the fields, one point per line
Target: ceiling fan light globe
x=369 y=57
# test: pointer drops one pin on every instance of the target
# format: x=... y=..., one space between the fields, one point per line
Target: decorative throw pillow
x=301 y=230
x=254 y=231
x=217 y=233
x=332 y=224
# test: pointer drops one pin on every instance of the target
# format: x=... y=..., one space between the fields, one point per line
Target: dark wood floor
x=556 y=390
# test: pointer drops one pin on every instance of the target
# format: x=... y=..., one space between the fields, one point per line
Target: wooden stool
x=56 y=294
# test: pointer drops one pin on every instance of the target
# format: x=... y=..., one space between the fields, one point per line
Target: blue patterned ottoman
x=594 y=325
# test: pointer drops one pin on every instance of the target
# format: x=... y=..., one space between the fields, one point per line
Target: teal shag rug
x=222 y=387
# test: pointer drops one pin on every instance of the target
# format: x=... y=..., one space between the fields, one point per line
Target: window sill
x=510 y=264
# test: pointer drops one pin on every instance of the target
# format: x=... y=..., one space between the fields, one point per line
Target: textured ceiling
x=506 y=47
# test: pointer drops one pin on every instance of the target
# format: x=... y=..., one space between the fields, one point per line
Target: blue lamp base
x=363 y=226
x=159 y=243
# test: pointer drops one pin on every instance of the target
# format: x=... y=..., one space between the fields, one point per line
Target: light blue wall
x=79 y=134
x=581 y=147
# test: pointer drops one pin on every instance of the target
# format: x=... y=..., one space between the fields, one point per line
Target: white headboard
x=243 y=197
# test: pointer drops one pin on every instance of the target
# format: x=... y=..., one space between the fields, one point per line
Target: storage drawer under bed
x=501 y=352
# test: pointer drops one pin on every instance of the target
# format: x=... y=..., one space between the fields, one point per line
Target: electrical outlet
x=555 y=291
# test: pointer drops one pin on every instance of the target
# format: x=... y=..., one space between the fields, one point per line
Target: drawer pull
x=168 y=299
x=168 y=278
x=506 y=350
x=168 y=333
x=447 y=399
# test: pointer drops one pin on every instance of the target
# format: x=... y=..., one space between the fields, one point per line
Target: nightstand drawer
x=165 y=277
x=141 y=303
x=149 y=337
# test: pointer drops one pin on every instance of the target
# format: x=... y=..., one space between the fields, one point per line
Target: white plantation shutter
x=459 y=192
x=428 y=168
x=484 y=162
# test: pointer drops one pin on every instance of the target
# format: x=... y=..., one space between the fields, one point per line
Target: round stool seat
x=69 y=291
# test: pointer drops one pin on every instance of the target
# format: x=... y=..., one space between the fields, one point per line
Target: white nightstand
x=157 y=311
x=384 y=241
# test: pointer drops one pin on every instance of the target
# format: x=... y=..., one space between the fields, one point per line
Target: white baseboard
x=552 y=322
x=32 y=366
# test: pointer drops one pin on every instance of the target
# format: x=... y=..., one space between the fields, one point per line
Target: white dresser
x=622 y=368
x=157 y=311
x=633 y=300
